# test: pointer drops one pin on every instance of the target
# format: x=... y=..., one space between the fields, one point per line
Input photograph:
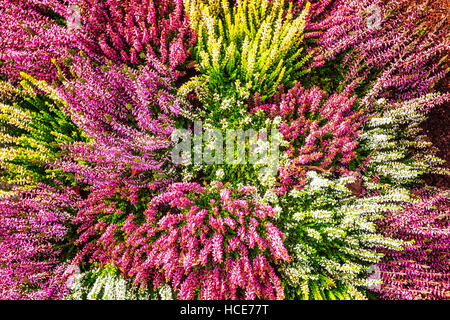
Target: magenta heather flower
x=129 y=116
x=224 y=250
x=30 y=41
x=384 y=36
x=129 y=31
x=33 y=224
x=322 y=131
x=422 y=270
x=51 y=33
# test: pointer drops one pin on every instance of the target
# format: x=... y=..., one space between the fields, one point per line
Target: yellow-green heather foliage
x=257 y=42
x=32 y=129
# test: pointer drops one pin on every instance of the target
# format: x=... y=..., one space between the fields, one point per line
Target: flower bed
x=206 y=149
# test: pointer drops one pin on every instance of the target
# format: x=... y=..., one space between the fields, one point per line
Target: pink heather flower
x=422 y=270
x=31 y=224
x=317 y=147
x=190 y=241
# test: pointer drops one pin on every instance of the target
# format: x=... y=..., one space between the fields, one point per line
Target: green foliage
x=256 y=42
x=33 y=128
x=332 y=238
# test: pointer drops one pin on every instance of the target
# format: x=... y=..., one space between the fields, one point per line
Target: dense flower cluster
x=33 y=235
x=215 y=241
x=129 y=117
x=422 y=271
x=32 y=41
x=320 y=132
x=129 y=31
x=93 y=95
x=107 y=284
x=34 y=128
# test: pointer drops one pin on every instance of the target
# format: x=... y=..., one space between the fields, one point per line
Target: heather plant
x=34 y=248
x=53 y=33
x=383 y=43
x=391 y=135
x=33 y=129
x=129 y=116
x=107 y=284
x=129 y=31
x=207 y=243
x=321 y=132
x=421 y=271
x=32 y=40
x=331 y=237
x=254 y=45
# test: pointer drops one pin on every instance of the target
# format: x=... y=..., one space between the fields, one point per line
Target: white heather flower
x=247 y=120
x=294 y=193
x=108 y=285
x=220 y=174
x=270 y=197
x=380 y=121
x=313 y=234
x=317 y=182
x=278 y=210
x=187 y=175
x=224 y=123
x=73 y=278
x=227 y=104
x=216 y=97
x=165 y=292
x=266 y=177
x=381 y=101
x=277 y=121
